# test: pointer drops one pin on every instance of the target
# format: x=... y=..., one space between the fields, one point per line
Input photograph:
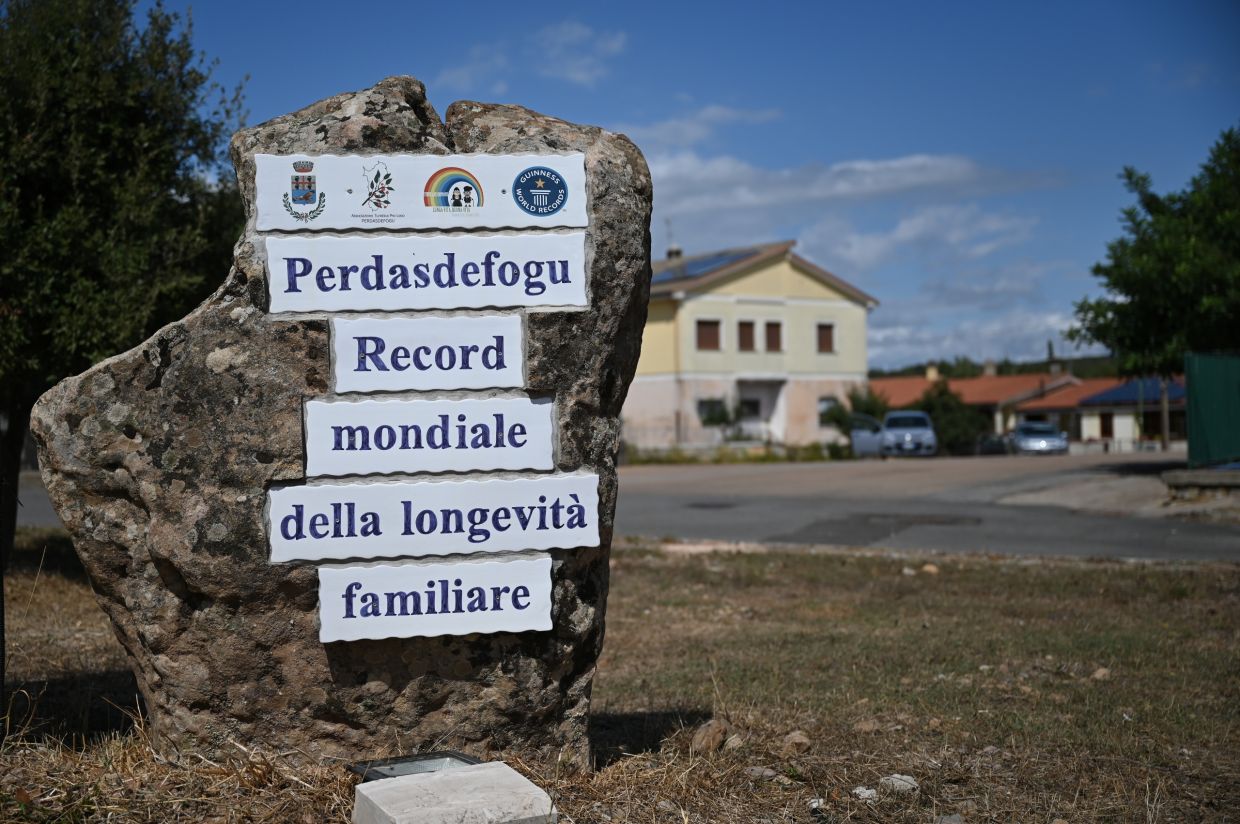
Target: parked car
x=865 y=435
x=908 y=433
x=1034 y=438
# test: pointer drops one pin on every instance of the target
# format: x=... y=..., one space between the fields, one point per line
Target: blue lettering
x=326 y=278
x=369 y=347
x=372 y=273
x=533 y=275
x=291 y=525
x=297 y=268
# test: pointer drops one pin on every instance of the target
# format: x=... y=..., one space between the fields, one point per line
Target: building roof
x=900 y=391
x=686 y=274
x=1139 y=390
x=984 y=390
x=1068 y=396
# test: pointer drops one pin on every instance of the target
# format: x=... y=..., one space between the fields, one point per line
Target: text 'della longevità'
x=337 y=521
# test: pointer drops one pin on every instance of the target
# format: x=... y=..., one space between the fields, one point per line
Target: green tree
x=1172 y=280
x=117 y=208
x=956 y=424
x=862 y=401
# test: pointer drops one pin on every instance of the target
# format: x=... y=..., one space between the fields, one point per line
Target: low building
x=1062 y=406
x=749 y=343
x=1128 y=416
x=997 y=396
x=1110 y=414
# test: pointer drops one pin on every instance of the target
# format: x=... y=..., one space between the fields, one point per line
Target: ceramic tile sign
x=408 y=600
x=364 y=437
x=388 y=273
x=338 y=521
x=397 y=354
x=299 y=192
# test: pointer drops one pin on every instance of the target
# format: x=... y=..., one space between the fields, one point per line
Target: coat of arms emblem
x=304 y=193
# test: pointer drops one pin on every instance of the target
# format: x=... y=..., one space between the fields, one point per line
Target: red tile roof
x=899 y=392
x=1068 y=397
x=986 y=390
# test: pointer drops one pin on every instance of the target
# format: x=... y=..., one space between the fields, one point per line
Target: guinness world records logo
x=539 y=191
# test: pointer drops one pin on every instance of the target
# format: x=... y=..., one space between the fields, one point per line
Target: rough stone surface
x=158 y=461
x=710 y=736
x=898 y=784
x=796 y=743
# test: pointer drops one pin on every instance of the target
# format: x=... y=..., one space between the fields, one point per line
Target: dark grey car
x=865 y=436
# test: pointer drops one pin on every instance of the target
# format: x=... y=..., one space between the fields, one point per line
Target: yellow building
x=751 y=343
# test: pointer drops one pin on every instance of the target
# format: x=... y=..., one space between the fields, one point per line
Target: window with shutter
x=708 y=335
x=826 y=337
x=745 y=336
x=774 y=337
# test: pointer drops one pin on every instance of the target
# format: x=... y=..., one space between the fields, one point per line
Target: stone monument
x=360 y=501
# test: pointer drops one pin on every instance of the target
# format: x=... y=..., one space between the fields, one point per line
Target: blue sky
x=958 y=161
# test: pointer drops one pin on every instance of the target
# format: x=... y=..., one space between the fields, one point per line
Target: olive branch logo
x=380 y=188
x=305 y=217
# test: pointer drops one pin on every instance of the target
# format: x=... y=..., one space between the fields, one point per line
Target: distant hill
x=1095 y=366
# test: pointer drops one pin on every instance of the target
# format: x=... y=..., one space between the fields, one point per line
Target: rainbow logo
x=452 y=188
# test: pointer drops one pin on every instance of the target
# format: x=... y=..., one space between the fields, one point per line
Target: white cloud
x=687 y=182
x=575 y=52
x=1019 y=334
x=991 y=288
x=693 y=127
x=1182 y=77
x=950 y=232
x=482 y=66
x=568 y=51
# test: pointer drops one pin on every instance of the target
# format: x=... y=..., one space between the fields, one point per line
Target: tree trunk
x=1164 y=403
x=11 y=443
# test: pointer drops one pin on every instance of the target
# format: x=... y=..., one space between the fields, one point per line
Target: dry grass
x=1011 y=691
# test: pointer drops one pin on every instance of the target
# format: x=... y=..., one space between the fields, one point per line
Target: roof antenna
x=673 y=251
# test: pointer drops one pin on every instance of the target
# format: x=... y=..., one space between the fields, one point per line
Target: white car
x=1034 y=438
x=908 y=433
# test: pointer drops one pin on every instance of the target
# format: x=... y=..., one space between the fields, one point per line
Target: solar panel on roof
x=702 y=266
x=1134 y=391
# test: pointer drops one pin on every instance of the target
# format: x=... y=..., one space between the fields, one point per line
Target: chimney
x=932 y=372
x=674 y=252
x=989 y=369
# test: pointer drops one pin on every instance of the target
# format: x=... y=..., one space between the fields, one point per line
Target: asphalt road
x=941 y=504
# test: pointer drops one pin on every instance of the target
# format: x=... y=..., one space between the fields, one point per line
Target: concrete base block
x=491 y=793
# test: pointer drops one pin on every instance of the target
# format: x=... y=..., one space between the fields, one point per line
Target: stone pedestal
x=159 y=460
